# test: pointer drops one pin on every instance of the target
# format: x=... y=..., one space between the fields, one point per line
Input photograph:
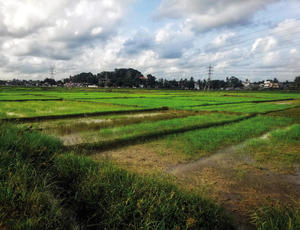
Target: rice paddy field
x=149 y=159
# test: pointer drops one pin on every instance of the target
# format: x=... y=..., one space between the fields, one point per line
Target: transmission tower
x=52 y=71
x=210 y=72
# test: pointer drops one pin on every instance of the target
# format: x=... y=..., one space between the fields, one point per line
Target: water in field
x=85 y=130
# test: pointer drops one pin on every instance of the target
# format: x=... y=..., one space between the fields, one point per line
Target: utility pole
x=210 y=72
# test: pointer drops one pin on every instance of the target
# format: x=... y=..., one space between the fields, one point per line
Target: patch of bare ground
x=141 y=158
x=291 y=102
x=238 y=183
x=13 y=114
x=232 y=180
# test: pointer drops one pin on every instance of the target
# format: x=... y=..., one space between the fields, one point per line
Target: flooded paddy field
x=239 y=150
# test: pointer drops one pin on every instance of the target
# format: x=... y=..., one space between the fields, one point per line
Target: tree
x=218 y=84
x=191 y=83
x=49 y=81
x=297 y=82
x=151 y=81
x=234 y=82
x=87 y=78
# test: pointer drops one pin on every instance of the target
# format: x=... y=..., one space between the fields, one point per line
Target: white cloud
x=206 y=14
x=264 y=44
x=222 y=39
x=279 y=48
x=89 y=35
x=56 y=30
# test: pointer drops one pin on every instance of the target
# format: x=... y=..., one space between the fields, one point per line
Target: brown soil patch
x=234 y=181
x=291 y=102
x=140 y=158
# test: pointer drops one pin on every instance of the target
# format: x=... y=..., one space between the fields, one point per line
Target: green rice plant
x=280 y=150
x=174 y=103
x=243 y=108
x=289 y=135
x=88 y=124
x=147 y=130
x=292 y=113
x=151 y=127
x=48 y=108
x=205 y=141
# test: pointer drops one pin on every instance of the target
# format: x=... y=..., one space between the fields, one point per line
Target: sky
x=173 y=39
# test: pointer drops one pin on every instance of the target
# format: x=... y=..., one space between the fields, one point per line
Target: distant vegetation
x=131 y=78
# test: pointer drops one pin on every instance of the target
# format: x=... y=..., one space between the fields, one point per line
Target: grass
x=280 y=151
x=277 y=217
x=42 y=188
x=26 y=199
x=48 y=108
x=195 y=144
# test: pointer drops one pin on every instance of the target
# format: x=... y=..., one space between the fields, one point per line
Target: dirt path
x=233 y=180
x=237 y=182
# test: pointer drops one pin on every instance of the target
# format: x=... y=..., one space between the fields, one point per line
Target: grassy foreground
x=42 y=188
x=277 y=217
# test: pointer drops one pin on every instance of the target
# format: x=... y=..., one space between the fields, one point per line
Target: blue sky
x=255 y=39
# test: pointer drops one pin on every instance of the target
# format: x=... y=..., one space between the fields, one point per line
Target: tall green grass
x=26 y=198
x=105 y=197
x=41 y=188
x=277 y=217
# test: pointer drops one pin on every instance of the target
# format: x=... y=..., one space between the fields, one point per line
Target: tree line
x=131 y=78
x=134 y=78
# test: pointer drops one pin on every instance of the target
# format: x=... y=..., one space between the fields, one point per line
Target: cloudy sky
x=254 y=39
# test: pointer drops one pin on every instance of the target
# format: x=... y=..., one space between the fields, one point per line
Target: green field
x=48 y=108
x=148 y=159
